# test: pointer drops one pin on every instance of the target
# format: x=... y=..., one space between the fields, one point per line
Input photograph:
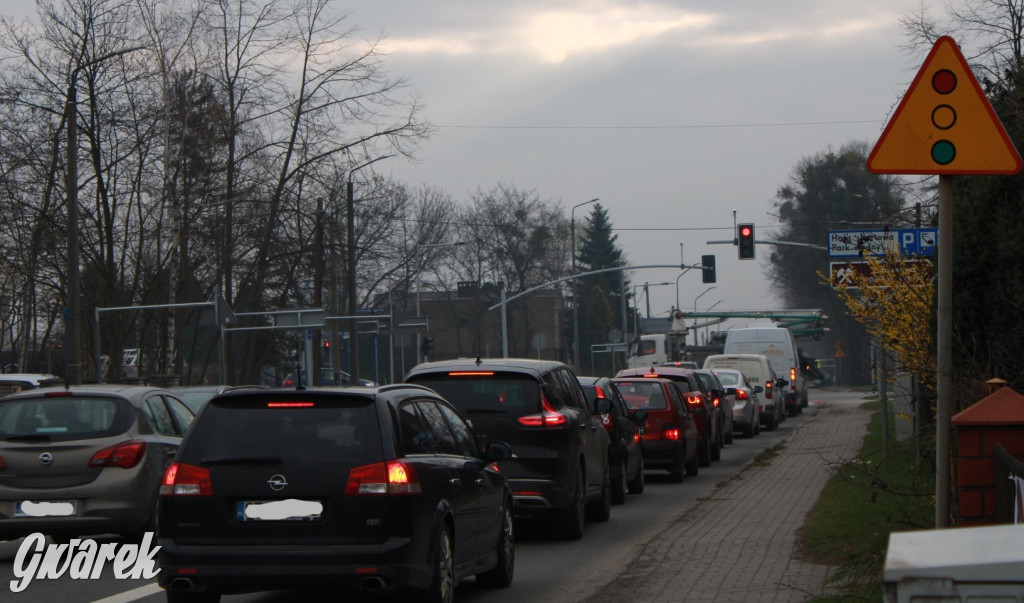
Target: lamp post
x=419 y=266
x=575 y=302
x=350 y=268
x=695 y=311
x=74 y=318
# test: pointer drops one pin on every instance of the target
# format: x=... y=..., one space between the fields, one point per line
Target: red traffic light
x=746 y=231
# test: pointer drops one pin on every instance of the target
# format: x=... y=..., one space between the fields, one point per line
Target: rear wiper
x=29 y=437
x=242 y=460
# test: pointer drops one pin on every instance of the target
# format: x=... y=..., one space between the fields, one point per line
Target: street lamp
x=73 y=322
x=419 y=267
x=695 y=304
x=575 y=302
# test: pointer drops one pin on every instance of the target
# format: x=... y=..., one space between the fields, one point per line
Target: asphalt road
x=547 y=570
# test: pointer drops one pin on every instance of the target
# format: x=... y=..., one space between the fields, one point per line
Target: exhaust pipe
x=182 y=584
x=373 y=583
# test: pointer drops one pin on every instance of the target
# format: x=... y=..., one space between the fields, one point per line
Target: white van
x=779 y=346
x=762 y=377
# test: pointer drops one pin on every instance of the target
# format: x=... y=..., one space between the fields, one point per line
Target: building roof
x=1002 y=407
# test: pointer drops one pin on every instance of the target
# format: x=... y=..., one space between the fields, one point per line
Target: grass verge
x=867 y=499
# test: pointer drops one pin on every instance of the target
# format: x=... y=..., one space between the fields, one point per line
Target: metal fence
x=1009 y=473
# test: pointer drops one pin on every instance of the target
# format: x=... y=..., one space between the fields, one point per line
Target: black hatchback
x=560 y=470
x=367 y=489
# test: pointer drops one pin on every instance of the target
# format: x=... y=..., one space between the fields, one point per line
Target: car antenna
x=298 y=371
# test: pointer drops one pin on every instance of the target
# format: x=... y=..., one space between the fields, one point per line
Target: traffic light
x=746 y=241
x=707 y=264
x=427 y=344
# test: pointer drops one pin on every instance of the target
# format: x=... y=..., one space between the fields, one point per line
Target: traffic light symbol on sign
x=707 y=264
x=746 y=241
x=944 y=124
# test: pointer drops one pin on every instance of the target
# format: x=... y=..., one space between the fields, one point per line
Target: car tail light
x=182 y=479
x=290 y=404
x=768 y=390
x=548 y=418
x=717 y=402
x=741 y=394
x=389 y=477
x=670 y=433
x=3 y=463
x=598 y=392
x=694 y=400
x=471 y=373
x=636 y=437
x=125 y=455
x=287 y=383
x=792 y=379
x=651 y=375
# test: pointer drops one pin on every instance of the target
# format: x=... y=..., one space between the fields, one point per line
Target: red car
x=699 y=401
x=670 y=432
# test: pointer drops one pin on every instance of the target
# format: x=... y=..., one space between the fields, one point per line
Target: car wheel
x=569 y=521
x=601 y=509
x=704 y=451
x=619 y=483
x=501 y=575
x=442 y=588
x=748 y=430
x=177 y=596
x=636 y=485
x=692 y=466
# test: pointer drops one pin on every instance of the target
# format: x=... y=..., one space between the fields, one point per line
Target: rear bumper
x=536 y=496
x=241 y=568
x=663 y=453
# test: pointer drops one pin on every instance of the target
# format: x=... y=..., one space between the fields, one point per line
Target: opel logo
x=46 y=458
x=277 y=483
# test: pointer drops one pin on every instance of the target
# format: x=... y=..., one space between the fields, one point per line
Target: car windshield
x=194 y=400
x=485 y=392
x=63 y=418
x=642 y=395
x=264 y=430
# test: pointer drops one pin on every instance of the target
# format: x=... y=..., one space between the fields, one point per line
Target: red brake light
x=598 y=392
x=717 y=402
x=636 y=437
x=741 y=394
x=651 y=375
x=548 y=418
x=670 y=433
x=693 y=400
x=61 y=394
x=287 y=383
x=125 y=455
x=182 y=479
x=391 y=477
x=768 y=390
x=290 y=404
x=470 y=373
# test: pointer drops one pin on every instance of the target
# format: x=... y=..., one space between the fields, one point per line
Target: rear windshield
x=684 y=384
x=642 y=394
x=304 y=431
x=728 y=379
x=64 y=418
x=477 y=392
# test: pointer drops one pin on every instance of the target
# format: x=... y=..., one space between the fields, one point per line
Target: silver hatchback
x=86 y=460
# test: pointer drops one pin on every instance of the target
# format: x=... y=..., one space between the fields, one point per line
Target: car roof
x=517 y=365
x=671 y=371
x=391 y=393
x=125 y=391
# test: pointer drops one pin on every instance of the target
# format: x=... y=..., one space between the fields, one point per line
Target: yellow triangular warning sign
x=944 y=124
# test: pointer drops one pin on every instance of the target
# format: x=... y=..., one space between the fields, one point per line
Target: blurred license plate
x=47 y=508
x=291 y=509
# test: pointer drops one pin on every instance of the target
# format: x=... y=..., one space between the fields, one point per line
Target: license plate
x=291 y=509
x=47 y=508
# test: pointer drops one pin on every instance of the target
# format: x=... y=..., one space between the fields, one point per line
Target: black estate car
x=560 y=468
x=364 y=489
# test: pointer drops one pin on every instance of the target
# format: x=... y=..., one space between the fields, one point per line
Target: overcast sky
x=674 y=114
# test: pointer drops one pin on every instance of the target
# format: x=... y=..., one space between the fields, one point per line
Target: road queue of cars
x=625 y=431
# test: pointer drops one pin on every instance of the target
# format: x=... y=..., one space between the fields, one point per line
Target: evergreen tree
x=600 y=308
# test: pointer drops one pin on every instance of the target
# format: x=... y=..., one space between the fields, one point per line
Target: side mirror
x=602 y=406
x=782 y=383
x=497 y=451
x=730 y=391
x=757 y=389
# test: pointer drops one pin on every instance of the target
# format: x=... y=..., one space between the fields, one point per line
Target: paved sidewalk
x=746 y=552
